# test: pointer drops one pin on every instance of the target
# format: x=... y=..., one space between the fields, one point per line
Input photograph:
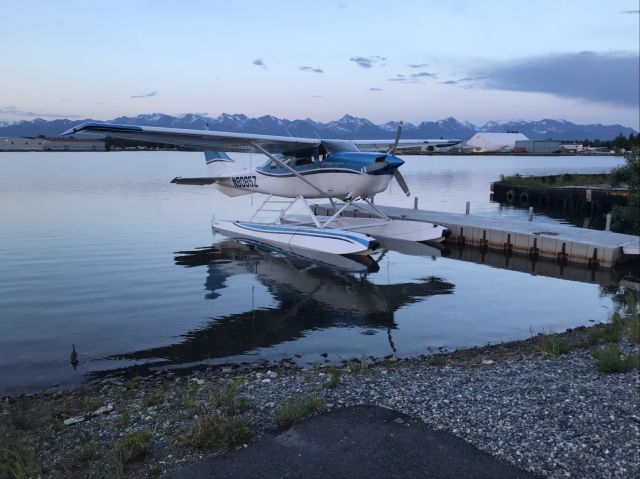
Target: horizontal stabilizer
x=195 y=181
x=208 y=180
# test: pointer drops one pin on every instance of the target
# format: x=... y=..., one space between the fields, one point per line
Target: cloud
x=413 y=77
x=146 y=95
x=368 y=62
x=374 y=89
x=316 y=96
x=471 y=79
x=418 y=65
x=311 y=69
x=630 y=12
x=423 y=75
x=598 y=77
x=13 y=110
x=260 y=63
x=468 y=83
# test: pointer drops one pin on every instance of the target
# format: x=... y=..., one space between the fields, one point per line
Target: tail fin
x=220 y=164
x=211 y=156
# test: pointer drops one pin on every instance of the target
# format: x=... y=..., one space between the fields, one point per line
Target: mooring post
x=415 y=202
x=607 y=226
x=530 y=213
x=468 y=207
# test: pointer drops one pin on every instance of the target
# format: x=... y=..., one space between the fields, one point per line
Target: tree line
x=626 y=219
x=618 y=143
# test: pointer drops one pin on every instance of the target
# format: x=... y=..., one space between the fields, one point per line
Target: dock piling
x=461 y=238
x=468 y=208
x=484 y=242
x=563 y=257
x=534 y=251
x=507 y=248
x=593 y=261
x=415 y=202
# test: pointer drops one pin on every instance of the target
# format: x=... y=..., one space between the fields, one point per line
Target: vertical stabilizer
x=220 y=164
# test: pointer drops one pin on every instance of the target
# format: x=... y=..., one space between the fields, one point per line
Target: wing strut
x=284 y=165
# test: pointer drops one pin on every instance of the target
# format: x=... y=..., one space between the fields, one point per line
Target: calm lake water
x=100 y=251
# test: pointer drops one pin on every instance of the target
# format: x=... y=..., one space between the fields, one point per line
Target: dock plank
x=579 y=243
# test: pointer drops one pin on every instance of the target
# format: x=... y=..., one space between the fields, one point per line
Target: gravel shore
x=556 y=416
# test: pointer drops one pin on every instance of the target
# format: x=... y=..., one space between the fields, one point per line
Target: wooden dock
x=592 y=201
x=561 y=243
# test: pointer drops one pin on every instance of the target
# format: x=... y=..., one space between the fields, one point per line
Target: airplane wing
x=208 y=140
x=384 y=145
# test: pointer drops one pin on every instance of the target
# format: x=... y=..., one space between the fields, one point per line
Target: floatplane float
x=298 y=169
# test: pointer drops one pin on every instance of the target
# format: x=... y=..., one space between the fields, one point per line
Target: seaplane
x=344 y=172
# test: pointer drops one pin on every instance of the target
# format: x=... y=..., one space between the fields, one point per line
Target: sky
x=383 y=60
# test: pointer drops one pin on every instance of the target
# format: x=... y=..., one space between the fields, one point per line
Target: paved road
x=364 y=441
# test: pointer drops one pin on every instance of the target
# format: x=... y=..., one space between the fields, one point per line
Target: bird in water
x=74 y=356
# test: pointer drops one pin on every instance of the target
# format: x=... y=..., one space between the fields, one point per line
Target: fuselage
x=340 y=174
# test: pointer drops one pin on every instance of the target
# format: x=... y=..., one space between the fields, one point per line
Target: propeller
x=381 y=163
x=392 y=150
x=403 y=184
x=396 y=174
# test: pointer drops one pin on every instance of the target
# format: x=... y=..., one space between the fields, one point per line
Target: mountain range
x=346 y=127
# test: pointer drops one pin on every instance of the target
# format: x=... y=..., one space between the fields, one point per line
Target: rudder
x=220 y=164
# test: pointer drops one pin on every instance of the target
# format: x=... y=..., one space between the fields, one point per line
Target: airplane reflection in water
x=311 y=293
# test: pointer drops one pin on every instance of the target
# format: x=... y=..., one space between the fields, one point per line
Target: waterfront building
x=538 y=146
x=73 y=144
x=485 y=141
x=21 y=144
x=572 y=147
x=50 y=144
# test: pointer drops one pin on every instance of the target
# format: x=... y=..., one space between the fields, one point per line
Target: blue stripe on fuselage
x=353 y=161
x=286 y=173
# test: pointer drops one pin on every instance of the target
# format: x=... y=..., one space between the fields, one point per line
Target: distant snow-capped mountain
x=346 y=127
x=558 y=129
